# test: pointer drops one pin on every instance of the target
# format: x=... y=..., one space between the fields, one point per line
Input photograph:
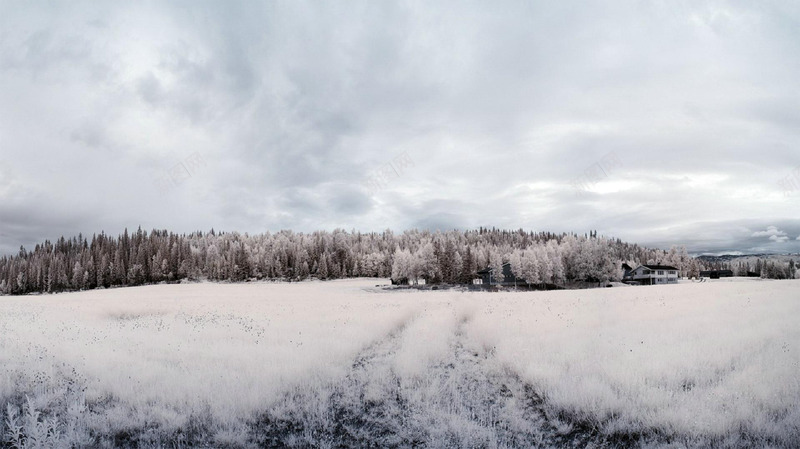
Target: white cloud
x=771 y=231
x=774 y=234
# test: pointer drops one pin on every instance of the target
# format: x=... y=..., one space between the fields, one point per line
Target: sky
x=660 y=123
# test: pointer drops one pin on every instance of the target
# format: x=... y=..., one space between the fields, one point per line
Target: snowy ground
x=346 y=364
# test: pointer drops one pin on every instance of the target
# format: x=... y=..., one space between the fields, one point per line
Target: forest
x=451 y=257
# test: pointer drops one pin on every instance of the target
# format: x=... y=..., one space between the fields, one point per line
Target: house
x=488 y=280
x=626 y=269
x=406 y=281
x=488 y=277
x=652 y=275
x=716 y=274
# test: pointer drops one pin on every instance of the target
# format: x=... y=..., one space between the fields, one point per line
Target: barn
x=716 y=274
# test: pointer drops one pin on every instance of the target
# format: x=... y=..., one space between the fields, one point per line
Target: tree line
x=768 y=269
x=138 y=258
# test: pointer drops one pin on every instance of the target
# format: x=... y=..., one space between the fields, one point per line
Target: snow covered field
x=343 y=363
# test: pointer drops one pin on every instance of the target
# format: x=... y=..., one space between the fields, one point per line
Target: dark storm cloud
x=502 y=113
x=28 y=221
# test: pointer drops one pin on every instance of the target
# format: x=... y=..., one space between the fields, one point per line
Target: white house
x=652 y=275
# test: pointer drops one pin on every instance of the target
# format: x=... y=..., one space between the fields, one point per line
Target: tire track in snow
x=465 y=399
x=340 y=414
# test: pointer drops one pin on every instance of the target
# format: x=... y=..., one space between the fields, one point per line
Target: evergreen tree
x=323 y=267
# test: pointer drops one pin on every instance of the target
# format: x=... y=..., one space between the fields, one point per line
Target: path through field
x=464 y=399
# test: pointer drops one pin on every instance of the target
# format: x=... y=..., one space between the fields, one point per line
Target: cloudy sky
x=656 y=122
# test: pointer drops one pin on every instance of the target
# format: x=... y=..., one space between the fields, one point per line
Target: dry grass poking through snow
x=341 y=364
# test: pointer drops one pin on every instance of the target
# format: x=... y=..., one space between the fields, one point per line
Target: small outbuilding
x=716 y=274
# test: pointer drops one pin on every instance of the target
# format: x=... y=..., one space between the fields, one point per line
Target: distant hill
x=748 y=258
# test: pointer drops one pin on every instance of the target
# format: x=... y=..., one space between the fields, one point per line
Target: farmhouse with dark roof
x=652 y=275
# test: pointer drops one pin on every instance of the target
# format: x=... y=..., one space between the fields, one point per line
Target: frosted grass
x=707 y=363
x=159 y=354
x=704 y=360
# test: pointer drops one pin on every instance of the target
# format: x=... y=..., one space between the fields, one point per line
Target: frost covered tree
x=454 y=256
x=426 y=263
x=304 y=270
x=496 y=265
x=515 y=262
x=322 y=272
x=530 y=266
x=694 y=269
x=544 y=264
x=77 y=276
x=403 y=267
x=553 y=254
x=679 y=258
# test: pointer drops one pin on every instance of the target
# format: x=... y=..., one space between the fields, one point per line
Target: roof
x=489 y=268
x=660 y=267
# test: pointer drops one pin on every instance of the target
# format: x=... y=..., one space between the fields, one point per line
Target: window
x=672 y=272
x=660 y=272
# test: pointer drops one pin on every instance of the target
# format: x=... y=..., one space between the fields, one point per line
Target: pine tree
x=77 y=276
x=323 y=267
